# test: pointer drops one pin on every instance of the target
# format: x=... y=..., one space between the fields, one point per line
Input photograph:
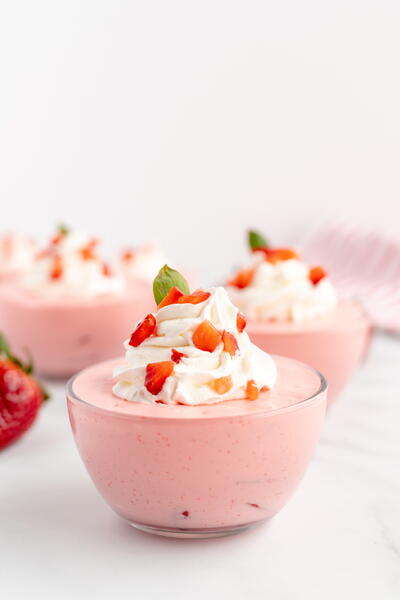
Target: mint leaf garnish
x=256 y=240
x=166 y=279
x=63 y=229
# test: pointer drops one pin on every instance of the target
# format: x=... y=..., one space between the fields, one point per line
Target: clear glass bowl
x=200 y=475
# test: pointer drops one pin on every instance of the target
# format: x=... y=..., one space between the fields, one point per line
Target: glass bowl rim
x=323 y=387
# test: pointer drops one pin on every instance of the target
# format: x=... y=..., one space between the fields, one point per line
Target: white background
x=185 y=122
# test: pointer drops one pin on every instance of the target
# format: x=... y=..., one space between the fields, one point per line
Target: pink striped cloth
x=362 y=264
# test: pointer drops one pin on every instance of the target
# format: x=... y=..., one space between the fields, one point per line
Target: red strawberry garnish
x=56 y=239
x=252 y=392
x=60 y=235
x=275 y=255
x=171 y=298
x=316 y=274
x=87 y=252
x=240 y=322
x=206 y=336
x=230 y=343
x=128 y=255
x=156 y=374
x=243 y=278
x=221 y=385
x=195 y=298
x=20 y=396
x=177 y=356
x=106 y=270
x=145 y=329
x=57 y=269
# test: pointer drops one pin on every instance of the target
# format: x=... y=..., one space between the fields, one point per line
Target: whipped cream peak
x=193 y=353
x=70 y=266
x=143 y=262
x=16 y=253
x=279 y=286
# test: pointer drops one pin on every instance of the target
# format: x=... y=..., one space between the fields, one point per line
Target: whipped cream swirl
x=16 y=253
x=193 y=377
x=283 y=292
x=143 y=262
x=71 y=267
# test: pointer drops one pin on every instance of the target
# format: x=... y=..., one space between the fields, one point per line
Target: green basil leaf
x=256 y=240
x=166 y=279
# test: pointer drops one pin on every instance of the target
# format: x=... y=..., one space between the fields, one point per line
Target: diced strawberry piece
x=251 y=390
x=221 y=385
x=145 y=329
x=230 y=343
x=127 y=255
x=56 y=239
x=206 y=336
x=171 y=298
x=57 y=269
x=87 y=253
x=156 y=374
x=240 y=322
x=316 y=274
x=275 y=255
x=177 y=356
x=195 y=298
x=243 y=278
x=106 y=270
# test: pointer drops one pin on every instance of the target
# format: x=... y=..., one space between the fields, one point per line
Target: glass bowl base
x=195 y=533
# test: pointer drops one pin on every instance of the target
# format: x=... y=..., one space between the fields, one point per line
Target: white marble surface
x=339 y=537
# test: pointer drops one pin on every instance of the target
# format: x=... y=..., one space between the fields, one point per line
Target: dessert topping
x=316 y=274
x=145 y=329
x=191 y=352
x=177 y=356
x=230 y=343
x=156 y=375
x=279 y=286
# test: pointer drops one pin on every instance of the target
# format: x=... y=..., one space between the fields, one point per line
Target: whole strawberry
x=20 y=396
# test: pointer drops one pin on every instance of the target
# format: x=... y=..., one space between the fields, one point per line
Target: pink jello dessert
x=70 y=309
x=17 y=254
x=197 y=433
x=294 y=310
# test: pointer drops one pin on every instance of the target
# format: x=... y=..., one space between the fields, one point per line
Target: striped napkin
x=364 y=265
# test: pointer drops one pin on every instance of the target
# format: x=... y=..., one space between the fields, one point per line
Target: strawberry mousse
x=197 y=432
x=70 y=309
x=293 y=310
x=17 y=254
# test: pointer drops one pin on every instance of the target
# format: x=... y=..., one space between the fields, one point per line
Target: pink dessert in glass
x=197 y=433
x=293 y=310
x=70 y=308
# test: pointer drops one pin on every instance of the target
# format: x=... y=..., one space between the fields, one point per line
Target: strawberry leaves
x=28 y=367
